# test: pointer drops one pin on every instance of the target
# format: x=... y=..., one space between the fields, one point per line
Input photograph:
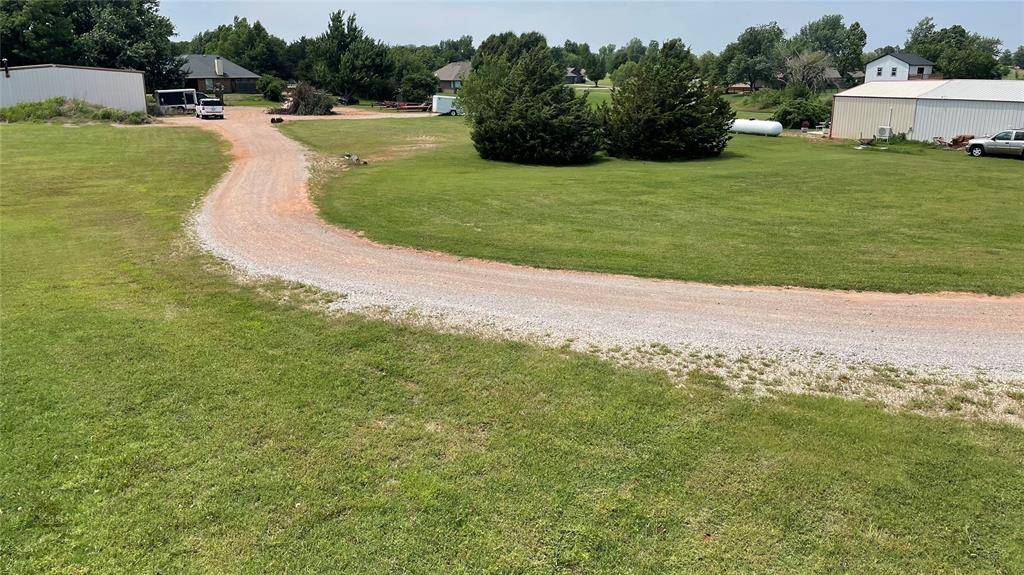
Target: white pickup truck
x=210 y=108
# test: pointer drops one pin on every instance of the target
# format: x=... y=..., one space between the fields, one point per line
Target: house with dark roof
x=575 y=76
x=900 y=66
x=450 y=76
x=208 y=72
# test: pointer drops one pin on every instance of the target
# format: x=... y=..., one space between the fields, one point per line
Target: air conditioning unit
x=885 y=132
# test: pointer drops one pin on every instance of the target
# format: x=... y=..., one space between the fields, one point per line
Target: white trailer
x=107 y=87
x=183 y=99
x=446 y=106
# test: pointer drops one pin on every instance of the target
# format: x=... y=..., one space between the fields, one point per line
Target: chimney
x=218 y=67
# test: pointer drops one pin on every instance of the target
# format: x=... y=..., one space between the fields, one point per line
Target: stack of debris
x=956 y=143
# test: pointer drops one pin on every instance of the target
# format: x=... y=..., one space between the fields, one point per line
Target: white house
x=926 y=109
x=111 y=88
x=900 y=66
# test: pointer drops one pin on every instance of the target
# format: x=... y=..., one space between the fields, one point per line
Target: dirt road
x=260 y=218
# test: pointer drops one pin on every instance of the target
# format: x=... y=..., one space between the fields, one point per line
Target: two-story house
x=900 y=66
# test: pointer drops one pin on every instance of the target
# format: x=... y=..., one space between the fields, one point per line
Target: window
x=1002 y=136
x=920 y=70
x=1018 y=137
x=878 y=71
x=893 y=72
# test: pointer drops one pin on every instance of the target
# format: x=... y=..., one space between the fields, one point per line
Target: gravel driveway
x=260 y=219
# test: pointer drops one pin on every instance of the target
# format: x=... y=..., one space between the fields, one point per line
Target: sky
x=702 y=25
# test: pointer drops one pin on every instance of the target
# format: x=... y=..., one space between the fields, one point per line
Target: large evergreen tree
x=346 y=61
x=518 y=108
x=665 y=111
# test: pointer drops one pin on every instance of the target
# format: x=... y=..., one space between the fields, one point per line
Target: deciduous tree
x=755 y=56
x=957 y=53
x=107 y=33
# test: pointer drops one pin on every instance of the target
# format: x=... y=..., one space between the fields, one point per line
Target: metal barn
x=925 y=109
x=108 y=87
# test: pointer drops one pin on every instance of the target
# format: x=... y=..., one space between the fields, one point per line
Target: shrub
x=666 y=112
x=136 y=118
x=418 y=87
x=765 y=98
x=33 y=111
x=271 y=87
x=519 y=110
x=309 y=101
x=68 y=110
x=793 y=113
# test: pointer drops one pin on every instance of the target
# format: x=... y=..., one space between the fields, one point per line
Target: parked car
x=210 y=108
x=348 y=100
x=1005 y=143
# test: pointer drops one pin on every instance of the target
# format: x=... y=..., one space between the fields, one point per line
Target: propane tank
x=759 y=127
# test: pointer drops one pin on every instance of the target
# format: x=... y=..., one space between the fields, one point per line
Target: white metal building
x=925 y=109
x=108 y=87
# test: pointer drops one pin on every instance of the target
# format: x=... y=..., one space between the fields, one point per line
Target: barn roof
x=201 y=66
x=904 y=89
x=983 y=90
x=987 y=90
x=31 y=66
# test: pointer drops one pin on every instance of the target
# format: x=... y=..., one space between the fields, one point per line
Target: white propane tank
x=759 y=127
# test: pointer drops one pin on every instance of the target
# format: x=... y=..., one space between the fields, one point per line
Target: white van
x=446 y=105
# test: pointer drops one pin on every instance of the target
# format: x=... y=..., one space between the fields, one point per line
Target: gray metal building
x=925 y=109
x=107 y=87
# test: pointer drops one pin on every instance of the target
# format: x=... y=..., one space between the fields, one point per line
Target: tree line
x=764 y=56
x=347 y=61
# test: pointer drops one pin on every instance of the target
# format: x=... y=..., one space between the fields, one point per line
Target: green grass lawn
x=745 y=110
x=160 y=417
x=778 y=211
x=595 y=96
x=255 y=100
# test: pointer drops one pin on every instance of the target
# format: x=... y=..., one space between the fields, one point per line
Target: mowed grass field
x=595 y=96
x=744 y=110
x=160 y=417
x=770 y=211
x=255 y=100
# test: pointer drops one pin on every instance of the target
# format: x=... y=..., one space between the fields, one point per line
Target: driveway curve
x=260 y=218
